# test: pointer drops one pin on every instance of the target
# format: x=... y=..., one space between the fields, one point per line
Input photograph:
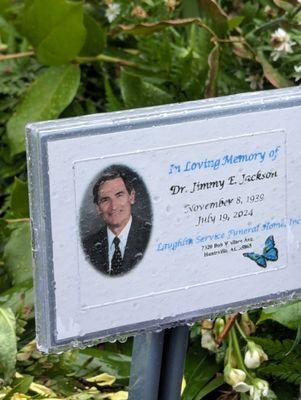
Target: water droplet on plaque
x=122 y=339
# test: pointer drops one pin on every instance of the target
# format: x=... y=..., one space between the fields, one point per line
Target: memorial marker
x=203 y=197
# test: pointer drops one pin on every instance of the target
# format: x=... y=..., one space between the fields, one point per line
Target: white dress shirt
x=123 y=237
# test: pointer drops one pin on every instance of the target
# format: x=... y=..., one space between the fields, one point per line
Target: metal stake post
x=146 y=366
x=172 y=367
x=158 y=364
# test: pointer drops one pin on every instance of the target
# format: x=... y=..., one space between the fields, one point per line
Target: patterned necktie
x=116 y=263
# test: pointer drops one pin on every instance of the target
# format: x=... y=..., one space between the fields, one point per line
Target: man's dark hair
x=111 y=173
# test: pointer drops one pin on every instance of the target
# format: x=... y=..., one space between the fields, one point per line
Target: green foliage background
x=62 y=58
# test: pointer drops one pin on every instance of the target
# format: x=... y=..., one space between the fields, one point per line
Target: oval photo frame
x=116 y=204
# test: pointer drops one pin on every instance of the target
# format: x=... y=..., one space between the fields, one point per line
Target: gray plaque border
x=37 y=137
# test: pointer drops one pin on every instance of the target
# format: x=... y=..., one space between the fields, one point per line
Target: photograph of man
x=121 y=242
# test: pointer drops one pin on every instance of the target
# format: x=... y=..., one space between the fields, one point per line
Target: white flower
x=297 y=74
x=241 y=387
x=208 y=341
x=263 y=386
x=254 y=355
x=252 y=360
x=112 y=11
x=259 y=389
x=282 y=43
x=255 y=394
x=256 y=81
x=234 y=376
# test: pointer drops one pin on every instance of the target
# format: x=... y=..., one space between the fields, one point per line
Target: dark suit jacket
x=96 y=246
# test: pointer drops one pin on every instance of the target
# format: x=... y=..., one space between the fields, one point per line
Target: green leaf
x=42 y=390
x=271 y=74
x=210 y=387
x=218 y=19
x=19 y=298
x=17 y=255
x=200 y=43
x=148 y=28
x=19 y=199
x=137 y=93
x=296 y=341
x=249 y=11
x=213 y=62
x=148 y=2
x=284 y=5
x=46 y=98
x=241 y=50
x=95 y=39
x=8 y=342
x=288 y=315
x=103 y=379
x=113 y=104
x=190 y=8
x=234 y=22
x=113 y=363
x=4 y=5
x=55 y=28
x=22 y=386
x=200 y=368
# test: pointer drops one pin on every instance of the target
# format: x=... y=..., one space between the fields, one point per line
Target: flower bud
x=234 y=376
x=254 y=393
x=254 y=356
x=263 y=386
x=247 y=325
x=219 y=326
x=258 y=389
x=208 y=341
x=207 y=324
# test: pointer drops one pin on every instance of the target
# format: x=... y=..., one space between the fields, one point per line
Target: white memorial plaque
x=202 y=197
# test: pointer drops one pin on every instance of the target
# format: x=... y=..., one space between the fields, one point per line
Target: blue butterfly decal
x=270 y=253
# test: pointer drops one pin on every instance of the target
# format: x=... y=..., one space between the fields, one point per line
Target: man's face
x=115 y=203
